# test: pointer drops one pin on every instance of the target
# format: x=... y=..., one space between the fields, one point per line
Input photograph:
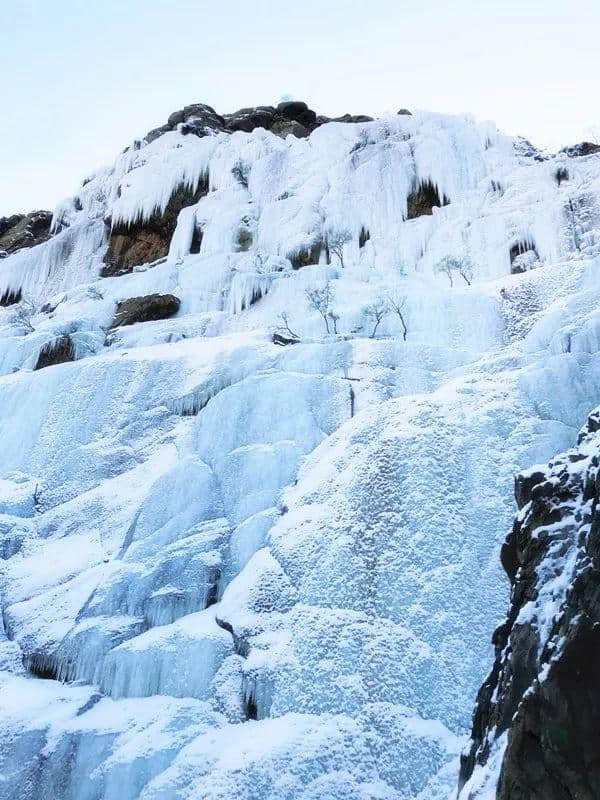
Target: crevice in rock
x=196 y=240
x=212 y=595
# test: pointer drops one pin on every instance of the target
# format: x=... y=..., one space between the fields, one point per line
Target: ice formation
x=240 y=570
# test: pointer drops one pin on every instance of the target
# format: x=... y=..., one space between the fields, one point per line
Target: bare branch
x=320 y=300
x=336 y=242
x=397 y=301
x=377 y=311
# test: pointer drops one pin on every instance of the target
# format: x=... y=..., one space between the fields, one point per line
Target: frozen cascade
x=233 y=569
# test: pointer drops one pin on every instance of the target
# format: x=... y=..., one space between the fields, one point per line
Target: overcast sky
x=81 y=79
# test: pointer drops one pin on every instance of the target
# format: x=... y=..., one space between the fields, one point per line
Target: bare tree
x=336 y=242
x=376 y=311
x=396 y=302
x=320 y=300
x=284 y=326
x=23 y=313
x=449 y=265
x=241 y=172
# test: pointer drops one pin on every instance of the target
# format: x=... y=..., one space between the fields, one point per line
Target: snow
x=272 y=572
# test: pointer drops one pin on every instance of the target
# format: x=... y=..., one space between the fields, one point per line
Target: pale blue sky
x=80 y=80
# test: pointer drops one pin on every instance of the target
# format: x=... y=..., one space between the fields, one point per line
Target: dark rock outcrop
x=422 y=200
x=287 y=127
x=581 y=149
x=280 y=339
x=291 y=117
x=147 y=240
x=247 y=119
x=10 y=297
x=24 y=230
x=543 y=687
x=145 y=309
x=57 y=352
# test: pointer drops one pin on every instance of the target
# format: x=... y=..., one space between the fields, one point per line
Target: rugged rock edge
x=543 y=687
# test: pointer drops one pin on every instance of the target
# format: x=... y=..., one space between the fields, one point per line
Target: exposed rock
x=155 y=133
x=404 y=112
x=353 y=118
x=149 y=240
x=422 y=201
x=292 y=117
x=24 y=230
x=10 y=297
x=145 y=309
x=581 y=149
x=198 y=117
x=247 y=119
x=306 y=256
x=543 y=687
x=278 y=338
x=57 y=352
x=287 y=127
x=297 y=111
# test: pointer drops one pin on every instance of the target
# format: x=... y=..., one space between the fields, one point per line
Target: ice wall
x=235 y=569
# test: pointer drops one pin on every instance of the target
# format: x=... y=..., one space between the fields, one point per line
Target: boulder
x=198 y=117
x=353 y=118
x=155 y=133
x=145 y=309
x=298 y=111
x=287 y=127
x=247 y=119
x=24 y=230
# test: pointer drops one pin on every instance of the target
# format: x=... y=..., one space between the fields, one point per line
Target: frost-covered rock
x=535 y=731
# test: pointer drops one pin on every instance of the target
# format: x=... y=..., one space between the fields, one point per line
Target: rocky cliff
x=537 y=713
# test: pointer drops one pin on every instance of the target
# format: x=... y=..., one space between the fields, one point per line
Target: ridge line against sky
x=81 y=82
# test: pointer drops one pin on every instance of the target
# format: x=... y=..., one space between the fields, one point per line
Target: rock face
x=147 y=240
x=543 y=687
x=57 y=352
x=24 y=230
x=144 y=309
x=581 y=149
x=423 y=200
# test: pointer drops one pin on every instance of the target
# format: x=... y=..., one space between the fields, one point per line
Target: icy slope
x=235 y=569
